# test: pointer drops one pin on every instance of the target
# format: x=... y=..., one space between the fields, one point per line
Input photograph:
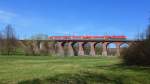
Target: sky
x=75 y=17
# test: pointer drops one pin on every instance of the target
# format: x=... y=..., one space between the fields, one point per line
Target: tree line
x=8 y=41
x=11 y=45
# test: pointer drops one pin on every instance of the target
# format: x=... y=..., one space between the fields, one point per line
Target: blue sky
x=75 y=17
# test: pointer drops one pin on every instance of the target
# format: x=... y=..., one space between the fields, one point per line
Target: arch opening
x=111 y=49
x=98 y=48
x=86 y=47
x=123 y=46
x=75 y=48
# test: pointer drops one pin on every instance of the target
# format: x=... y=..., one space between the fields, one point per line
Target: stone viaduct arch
x=69 y=44
x=92 y=44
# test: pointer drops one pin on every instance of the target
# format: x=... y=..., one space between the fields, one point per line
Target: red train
x=88 y=37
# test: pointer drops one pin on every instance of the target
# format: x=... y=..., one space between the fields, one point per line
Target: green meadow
x=70 y=70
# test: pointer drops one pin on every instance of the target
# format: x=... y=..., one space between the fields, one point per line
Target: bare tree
x=148 y=33
x=39 y=36
x=40 y=45
x=10 y=40
x=1 y=42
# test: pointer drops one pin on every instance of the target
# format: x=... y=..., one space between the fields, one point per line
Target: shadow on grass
x=108 y=76
x=80 y=78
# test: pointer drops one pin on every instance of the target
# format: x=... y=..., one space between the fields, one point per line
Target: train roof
x=106 y=36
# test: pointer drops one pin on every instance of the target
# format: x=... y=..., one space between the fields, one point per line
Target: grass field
x=69 y=70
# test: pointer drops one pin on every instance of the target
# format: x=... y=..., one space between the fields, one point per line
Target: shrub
x=139 y=52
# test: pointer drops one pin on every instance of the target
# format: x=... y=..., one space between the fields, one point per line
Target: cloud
x=6 y=17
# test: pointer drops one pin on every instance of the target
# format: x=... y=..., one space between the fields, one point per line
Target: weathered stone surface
x=81 y=50
x=118 y=48
x=92 y=48
x=104 y=51
x=70 y=49
x=60 y=49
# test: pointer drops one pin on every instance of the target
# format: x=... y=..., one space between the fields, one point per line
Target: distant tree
x=42 y=46
x=38 y=45
x=1 y=42
x=148 y=33
x=10 y=40
x=39 y=37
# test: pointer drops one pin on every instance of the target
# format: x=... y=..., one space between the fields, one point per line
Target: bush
x=139 y=52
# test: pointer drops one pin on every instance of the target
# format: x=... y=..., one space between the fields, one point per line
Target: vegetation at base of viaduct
x=138 y=53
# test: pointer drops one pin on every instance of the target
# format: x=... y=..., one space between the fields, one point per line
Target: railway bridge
x=75 y=45
x=92 y=43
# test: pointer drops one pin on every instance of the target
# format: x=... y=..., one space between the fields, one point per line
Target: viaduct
x=92 y=44
x=80 y=43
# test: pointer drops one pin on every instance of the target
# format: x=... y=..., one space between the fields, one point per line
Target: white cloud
x=6 y=17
